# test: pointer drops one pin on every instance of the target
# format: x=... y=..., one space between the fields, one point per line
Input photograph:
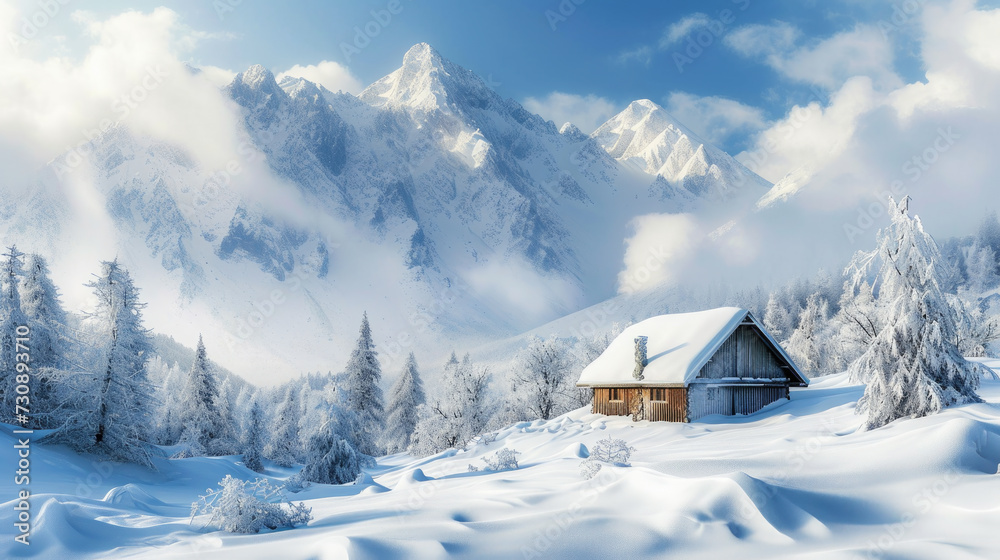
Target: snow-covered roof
x=678 y=346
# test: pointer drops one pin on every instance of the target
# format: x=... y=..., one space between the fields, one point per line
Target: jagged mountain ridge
x=457 y=199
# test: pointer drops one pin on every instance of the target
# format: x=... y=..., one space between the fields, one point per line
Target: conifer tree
x=364 y=396
x=115 y=419
x=200 y=415
x=913 y=367
x=11 y=319
x=253 y=444
x=284 y=447
x=407 y=395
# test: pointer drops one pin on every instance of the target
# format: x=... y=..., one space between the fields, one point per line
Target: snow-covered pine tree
x=168 y=384
x=115 y=422
x=200 y=414
x=11 y=317
x=40 y=303
x=776 y=318
x=806 y=344
x=540 y=378
x=912 y=367
x=253 y=442
x=332 y=460
x=364 y=396
x=407 y=395
x=284 y=447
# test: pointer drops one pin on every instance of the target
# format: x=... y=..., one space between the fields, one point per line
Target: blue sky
x=533 y=48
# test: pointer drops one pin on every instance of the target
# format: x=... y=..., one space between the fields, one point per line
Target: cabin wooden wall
x=673 y=409
x=705 y=399
x=743 y=354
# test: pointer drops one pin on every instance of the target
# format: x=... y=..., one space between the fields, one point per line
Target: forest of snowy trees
x=900 y=319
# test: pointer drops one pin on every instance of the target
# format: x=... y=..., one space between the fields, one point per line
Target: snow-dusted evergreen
x=204 y=412
x=11 y=317
x=253 y=439
x=461 y=409
x=407 y=396
x=332 y=460
x=284 y=446
x=810 y=343
x=777 y=320
x=40 y=303
x=364 y=396
x=913 y=367
x=113 y=415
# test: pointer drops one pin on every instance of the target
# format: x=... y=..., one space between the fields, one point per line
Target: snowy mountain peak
x=255 y=77
x=426 y=82
x=423 y=55
x=647 y=137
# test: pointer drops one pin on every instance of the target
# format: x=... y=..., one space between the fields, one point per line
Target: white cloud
x=658 y=250
x=587 y=112
x=763 y=40
x=680 y=29
x=837 y=159
x=329 y=74
x=220 y=77
x=862 y=51
x=642 y=55
x=715 y=119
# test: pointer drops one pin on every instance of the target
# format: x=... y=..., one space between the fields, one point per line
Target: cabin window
x=614 y=394
x=659 y=394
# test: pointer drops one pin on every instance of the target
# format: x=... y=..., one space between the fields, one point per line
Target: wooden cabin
x=683 y=366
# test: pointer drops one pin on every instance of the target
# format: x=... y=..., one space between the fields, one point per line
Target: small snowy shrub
x=473 y=468
x=590 y=468
x=503 y=460
x=296 y=483
x=241 y=506
x=613 y=451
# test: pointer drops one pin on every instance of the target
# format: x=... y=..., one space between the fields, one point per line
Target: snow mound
x=133 y=497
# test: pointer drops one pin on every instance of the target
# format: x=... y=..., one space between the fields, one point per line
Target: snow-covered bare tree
x=284 y=446
x=858 y=319
x=364 y=396
x=913 y=367
x=461 y=410
x=115 y=419
x=975 y=330
x=407 y=395
x=541 y=378
x=253 y=440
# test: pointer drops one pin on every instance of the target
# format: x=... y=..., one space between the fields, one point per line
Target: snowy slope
x=794 y=480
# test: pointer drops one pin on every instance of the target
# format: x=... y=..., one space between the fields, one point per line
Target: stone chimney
x=640 y=356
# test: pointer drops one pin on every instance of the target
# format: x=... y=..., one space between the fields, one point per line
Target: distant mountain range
x=449 y=213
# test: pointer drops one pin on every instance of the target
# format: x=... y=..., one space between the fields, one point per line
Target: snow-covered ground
x=794 y=480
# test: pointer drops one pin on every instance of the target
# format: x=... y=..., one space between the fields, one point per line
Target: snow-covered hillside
x=444 y=210
x=795 y=480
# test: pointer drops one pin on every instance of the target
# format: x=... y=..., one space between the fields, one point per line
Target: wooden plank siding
x=743 y=354
x=639 y=400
